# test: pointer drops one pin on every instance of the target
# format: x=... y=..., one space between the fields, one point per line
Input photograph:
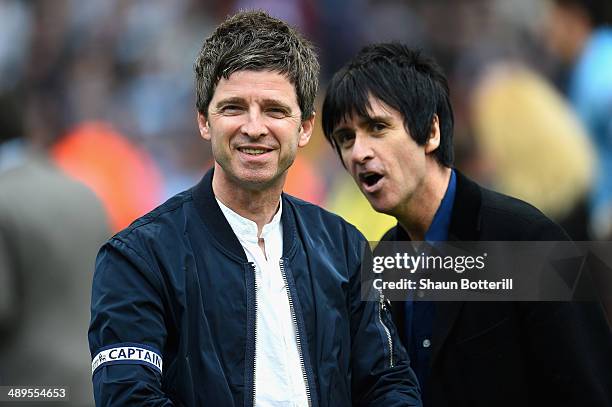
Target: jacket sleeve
x=127 y=332
x=381 y=373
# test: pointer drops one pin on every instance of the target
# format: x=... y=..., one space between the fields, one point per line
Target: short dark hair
x=404 y=79
x=253 y=40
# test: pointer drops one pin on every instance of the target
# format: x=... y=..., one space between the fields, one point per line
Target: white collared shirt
x=278 y=373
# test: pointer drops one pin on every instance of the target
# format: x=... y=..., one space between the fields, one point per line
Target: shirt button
x=426 y=343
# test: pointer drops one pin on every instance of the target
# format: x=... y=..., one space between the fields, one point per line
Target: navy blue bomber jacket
x=174 y=310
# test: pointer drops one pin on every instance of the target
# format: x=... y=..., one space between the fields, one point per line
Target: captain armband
x=127 y=353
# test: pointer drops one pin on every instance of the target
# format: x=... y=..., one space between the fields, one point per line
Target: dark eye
x=344 y=139
x=378 y=127
x=231 y=109
x=277 y=112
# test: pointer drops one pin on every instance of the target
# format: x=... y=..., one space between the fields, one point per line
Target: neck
x=416 y=215
x=259 y=205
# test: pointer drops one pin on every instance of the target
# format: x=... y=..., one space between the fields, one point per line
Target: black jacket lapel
x=465 y=220
x=213 y=218
x=465 y=226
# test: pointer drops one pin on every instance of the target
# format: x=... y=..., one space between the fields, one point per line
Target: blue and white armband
x=127 y=353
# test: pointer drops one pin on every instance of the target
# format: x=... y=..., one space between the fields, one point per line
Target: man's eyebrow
x=264 y=102
x=369 y=120
x=363 y=121
x=230 y=100
x=275 y=102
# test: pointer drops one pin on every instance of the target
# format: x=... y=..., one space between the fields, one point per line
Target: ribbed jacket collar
x=219 y=228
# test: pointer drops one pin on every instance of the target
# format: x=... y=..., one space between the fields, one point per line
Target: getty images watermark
x=488 y=271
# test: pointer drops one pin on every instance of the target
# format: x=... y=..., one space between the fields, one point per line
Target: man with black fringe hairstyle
x=388 y=115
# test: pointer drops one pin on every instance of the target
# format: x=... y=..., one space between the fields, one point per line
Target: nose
x=362 y=149
x=254 y=125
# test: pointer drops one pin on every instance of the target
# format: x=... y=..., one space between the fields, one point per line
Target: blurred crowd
x=97 y=127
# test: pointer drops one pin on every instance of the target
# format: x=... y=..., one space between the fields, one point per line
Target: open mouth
x=370 y=178
x=253 y=151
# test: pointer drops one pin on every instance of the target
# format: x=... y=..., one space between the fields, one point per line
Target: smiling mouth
x=370 y=179
x=252 y=151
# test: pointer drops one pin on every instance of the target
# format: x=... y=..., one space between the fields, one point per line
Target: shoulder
x=495 y=203
x=314 y=218
x=147 y=250
x=164 y=223
x=503 y=217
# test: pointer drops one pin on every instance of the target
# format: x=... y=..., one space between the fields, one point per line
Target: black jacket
x=174 y=297
x=512 y=353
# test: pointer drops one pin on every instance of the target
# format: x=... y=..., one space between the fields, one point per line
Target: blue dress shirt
x=420 y=314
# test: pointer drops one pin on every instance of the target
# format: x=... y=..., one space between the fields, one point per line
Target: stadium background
x=104 y=91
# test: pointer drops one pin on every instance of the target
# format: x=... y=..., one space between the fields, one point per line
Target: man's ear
x=306 y=130
x=433 y=141
x=203 y=126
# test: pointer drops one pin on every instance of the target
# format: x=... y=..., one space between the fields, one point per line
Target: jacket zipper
x=297 y=332
x=381 y=308
x=254 y=336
